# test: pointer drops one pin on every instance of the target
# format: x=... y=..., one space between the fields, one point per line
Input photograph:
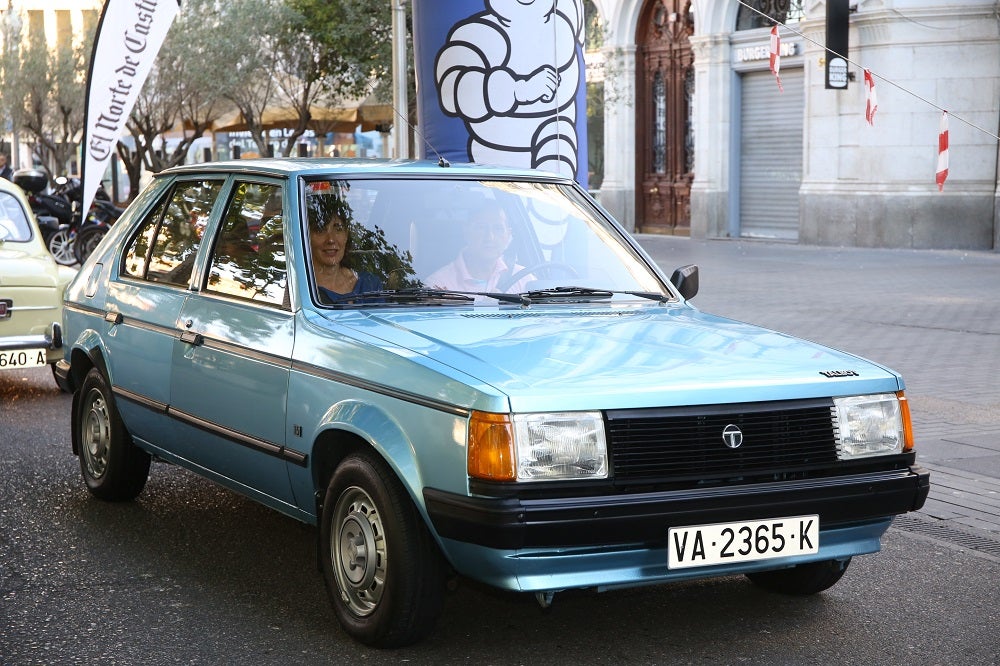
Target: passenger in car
x=330 y=242
x=480 y=265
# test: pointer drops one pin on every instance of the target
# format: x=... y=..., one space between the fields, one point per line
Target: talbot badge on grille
x=732 y=436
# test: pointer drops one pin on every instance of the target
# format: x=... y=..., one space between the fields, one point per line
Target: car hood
x=19 y=268
x=606 y=357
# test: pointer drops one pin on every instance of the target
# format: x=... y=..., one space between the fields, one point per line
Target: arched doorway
x=664 y=135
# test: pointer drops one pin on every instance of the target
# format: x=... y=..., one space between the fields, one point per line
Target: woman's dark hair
x=323 y=209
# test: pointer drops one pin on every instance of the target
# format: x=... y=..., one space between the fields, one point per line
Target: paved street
x=191 y=573
x=933 y=316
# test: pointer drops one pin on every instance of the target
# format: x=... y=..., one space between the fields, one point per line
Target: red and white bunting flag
x=776 y=56
x=942 y=161
x=871 y=101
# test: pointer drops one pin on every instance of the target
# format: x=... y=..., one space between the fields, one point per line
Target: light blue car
x=460 y=369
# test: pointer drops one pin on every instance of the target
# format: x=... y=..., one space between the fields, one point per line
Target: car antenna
x=442 y=162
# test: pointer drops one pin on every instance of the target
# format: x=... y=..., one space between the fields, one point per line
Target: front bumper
x=612 y=520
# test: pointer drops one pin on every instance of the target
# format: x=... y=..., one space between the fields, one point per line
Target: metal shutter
x=770 y=154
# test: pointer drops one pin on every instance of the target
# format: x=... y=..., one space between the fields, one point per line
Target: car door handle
x=192 y=338
x=113 y=317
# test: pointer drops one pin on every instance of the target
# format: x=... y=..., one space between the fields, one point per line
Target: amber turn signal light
x=491 y=447
x=904 y=412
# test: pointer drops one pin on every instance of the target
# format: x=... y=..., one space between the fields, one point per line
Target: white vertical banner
x=129 y=36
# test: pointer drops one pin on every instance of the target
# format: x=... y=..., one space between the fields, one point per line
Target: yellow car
x=31 y=288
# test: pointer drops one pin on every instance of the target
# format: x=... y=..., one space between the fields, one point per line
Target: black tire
x=113 y=467
x=803 y=579
x=383 y=570
x=87 y=241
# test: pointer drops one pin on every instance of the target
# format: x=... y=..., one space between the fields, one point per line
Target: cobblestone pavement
x=933 y=316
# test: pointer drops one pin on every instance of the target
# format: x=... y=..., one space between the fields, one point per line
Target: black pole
x=837 y=43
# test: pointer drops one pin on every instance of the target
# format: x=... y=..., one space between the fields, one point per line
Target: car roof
x=315 y=166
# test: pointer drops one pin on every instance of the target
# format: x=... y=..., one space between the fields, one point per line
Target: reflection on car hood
x=676 y=355
x=22 y=269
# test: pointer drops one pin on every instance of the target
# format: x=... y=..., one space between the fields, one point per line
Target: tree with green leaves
x=43 y=92
x=184 y=94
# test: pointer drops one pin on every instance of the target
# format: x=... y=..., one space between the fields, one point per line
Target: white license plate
x=727 y=543
x=22 y=358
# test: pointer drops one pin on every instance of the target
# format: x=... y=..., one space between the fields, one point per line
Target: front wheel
x=802 y=579
x=113 y=467
x=383 y=570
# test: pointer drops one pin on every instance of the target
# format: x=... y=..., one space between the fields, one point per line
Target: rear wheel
x=61 y=246
x=87 y=241
x=383 y=570
x=113 y=467
x=802 y=579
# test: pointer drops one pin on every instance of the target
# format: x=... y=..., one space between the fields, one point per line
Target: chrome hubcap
x=357 y=547
x=95 y=435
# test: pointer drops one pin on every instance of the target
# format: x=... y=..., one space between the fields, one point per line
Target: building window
x=767 y=12
x=64 y=29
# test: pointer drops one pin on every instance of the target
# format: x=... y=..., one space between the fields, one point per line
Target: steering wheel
x=504 y=284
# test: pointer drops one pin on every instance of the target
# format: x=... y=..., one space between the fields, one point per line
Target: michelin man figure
x=511 y=73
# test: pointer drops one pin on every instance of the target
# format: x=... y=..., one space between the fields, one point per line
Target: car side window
x=165 y=246
x=248 y=259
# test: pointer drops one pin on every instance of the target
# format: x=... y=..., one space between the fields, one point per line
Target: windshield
x=431 y=238
x=14 y=226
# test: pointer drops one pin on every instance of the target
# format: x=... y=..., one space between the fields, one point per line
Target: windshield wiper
x=586 y=293
x=424 y=294
x=420 y=294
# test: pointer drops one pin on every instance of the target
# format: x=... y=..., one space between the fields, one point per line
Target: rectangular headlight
x=560 y=446
x=869 y=425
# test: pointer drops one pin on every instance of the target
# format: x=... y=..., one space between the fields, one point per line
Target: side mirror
x=685 y=279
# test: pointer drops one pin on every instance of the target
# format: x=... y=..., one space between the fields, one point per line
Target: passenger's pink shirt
x=455 y=276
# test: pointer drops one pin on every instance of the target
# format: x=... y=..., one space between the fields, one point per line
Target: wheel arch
x=352 y=426
x=81 y=362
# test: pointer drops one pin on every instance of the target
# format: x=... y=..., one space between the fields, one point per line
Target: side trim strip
x=342 y=378
x=228 y=433
x=241 y=438
x=141 y=400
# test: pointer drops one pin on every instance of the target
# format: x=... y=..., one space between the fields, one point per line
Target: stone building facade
x=699 y=140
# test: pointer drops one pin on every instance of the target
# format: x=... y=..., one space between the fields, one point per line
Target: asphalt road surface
x=191 y=573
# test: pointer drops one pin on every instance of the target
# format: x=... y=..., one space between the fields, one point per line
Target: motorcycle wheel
x=61 y=246
x=87 y=241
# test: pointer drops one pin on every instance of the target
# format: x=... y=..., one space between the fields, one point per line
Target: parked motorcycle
x=102 y=215
x=54 y=211
x=69 y=239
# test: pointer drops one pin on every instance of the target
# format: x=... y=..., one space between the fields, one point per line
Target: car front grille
x=684 y=444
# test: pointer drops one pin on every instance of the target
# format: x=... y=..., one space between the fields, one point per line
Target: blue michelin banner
x=502 y=82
